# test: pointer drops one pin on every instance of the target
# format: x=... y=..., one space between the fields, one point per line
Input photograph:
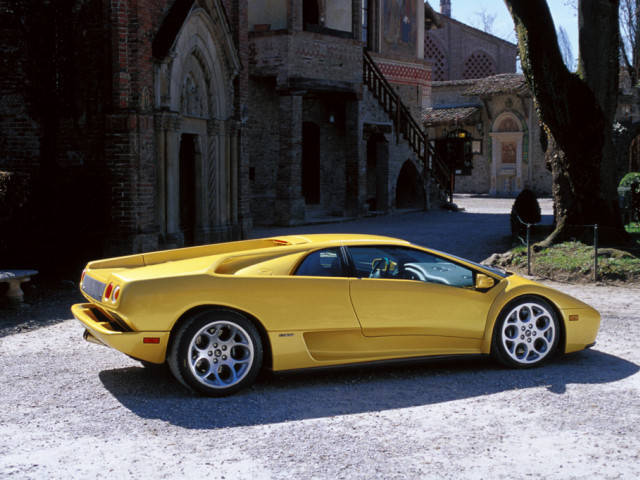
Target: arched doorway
x=507 y=155
x=311 y=163
x=409 y=188
x=196 y=134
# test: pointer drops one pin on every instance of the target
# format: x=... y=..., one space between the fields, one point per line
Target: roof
x=501 y=84
x=454 y=83
x=438 y=116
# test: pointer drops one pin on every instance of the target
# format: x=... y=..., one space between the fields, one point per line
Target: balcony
x=307 y=60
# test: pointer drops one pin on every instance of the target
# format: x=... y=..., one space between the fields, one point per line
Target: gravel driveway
x=73 y=410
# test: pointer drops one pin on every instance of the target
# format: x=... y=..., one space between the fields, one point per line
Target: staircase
x=405 y=124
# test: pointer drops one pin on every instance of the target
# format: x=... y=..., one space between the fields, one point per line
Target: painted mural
x=399 y=27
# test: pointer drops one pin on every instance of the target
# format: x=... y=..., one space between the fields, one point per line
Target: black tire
x=216 y=352
x=526 y=334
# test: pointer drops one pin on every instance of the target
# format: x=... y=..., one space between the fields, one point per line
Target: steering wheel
x=380 y=268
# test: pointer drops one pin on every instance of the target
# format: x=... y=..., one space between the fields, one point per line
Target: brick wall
x=456 y=42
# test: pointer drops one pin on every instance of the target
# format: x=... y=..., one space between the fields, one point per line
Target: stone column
x=289 y=205
x=356 y=157
x=294 y=15
x=168 y=127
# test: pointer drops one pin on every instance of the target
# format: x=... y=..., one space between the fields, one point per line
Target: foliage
x=629 y=179
x=632 y=196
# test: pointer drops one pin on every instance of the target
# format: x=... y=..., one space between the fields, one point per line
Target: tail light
x=108 y=291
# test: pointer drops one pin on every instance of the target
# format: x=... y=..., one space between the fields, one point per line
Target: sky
x=466 y=11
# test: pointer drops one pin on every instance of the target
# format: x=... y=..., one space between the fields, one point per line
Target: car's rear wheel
x=526 y=333
x=216 y=352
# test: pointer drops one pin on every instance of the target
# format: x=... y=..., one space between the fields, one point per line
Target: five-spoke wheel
x=216 y=353
x=526 y=333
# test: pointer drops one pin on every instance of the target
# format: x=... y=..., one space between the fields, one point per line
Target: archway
x=197 y=181
x=409 y=187
x=507 y=155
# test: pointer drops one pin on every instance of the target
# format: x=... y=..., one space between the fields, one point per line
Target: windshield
x=496 y=270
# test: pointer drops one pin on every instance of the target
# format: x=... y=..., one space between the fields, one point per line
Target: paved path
x=480 y=229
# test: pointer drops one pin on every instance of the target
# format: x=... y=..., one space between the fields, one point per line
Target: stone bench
x=14 y=278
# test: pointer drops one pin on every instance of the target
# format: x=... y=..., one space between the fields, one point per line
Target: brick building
x=189 y=121
x=482 y=120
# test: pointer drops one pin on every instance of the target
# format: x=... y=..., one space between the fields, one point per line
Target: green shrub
x=632 y=182
x=629 y=179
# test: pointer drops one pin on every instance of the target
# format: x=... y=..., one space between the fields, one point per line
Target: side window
x=403 y=263
x=322 y=263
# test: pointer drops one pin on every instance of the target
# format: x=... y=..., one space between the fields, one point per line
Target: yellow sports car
x=218 y=313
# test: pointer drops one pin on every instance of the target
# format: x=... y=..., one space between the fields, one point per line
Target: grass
x=573 y=261
x=634 y=230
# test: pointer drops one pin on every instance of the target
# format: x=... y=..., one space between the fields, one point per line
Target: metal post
x=595 y=252
x=528 y=249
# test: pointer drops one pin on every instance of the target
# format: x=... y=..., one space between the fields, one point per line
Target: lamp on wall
x=332 y=117
x=479 y=126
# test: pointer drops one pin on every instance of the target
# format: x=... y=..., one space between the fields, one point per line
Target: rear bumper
x=148 y=346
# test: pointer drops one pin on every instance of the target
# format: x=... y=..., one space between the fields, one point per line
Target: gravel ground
x=73 y=410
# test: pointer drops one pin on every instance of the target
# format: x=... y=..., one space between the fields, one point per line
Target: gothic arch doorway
x=311 y=163
x=196 y=135
x=409 y=188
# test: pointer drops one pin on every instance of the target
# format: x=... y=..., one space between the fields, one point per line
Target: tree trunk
x=577 y=111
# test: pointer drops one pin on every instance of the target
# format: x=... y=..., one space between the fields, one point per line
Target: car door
x=401 y=291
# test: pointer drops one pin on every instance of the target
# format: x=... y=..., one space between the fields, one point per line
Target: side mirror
x=483 y=282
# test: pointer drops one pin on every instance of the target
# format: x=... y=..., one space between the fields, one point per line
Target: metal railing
x=527 y=242
x=404 y=123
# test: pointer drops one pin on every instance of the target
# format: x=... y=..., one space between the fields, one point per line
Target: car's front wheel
x=526 y=333
x=216 y=352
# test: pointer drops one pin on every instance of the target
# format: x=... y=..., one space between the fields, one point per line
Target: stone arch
x=508 y=152
x=198 y=48
x=195 y=113
x=410 y=187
